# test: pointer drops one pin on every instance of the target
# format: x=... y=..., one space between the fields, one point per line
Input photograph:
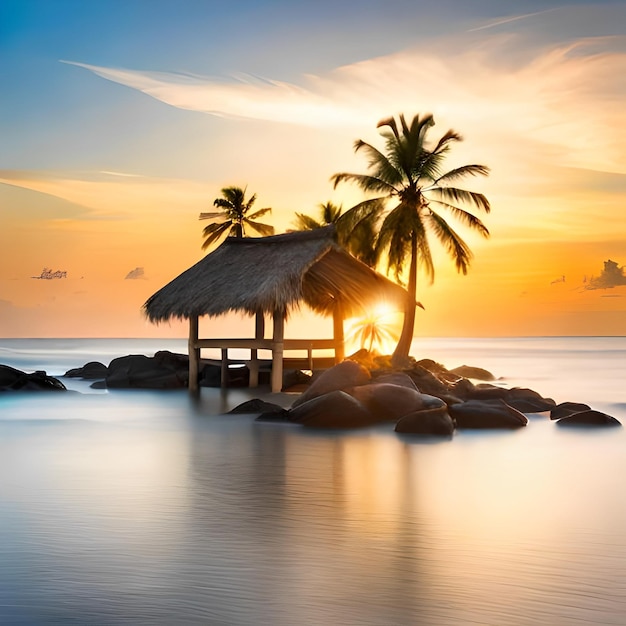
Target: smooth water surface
x=137 y=507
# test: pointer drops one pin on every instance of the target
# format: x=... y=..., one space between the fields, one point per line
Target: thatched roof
x=273 y=273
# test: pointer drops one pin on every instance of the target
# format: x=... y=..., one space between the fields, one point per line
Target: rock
x=477 y=373
x=589 y=418
x=98 y=384
x=528 y=401
x=336 y=409
x=427 y=381
x=437 y=369
x=429 y=422
x=396 y=378
x=256 y=405
x=12 y=379
x=486 y=414
x=388 y=402
x=344 y=375
x=163 y=371
x=565 y=409
x=94 y=370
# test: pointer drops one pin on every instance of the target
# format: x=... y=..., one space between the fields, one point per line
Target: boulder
x=486 y=414
x=426 y=381
x=589 y=418
x=336 y=409
x=528 y=401
x=428 y=422
x=396 y=378
x=94 y=370
x=477 y=373
x=256 y=405
x=565 y=409
x=12 y=379
x=344 y=375
x=163 y=371
x=387 y=402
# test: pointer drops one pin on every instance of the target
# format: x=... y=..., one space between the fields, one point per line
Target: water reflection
x=152 y=508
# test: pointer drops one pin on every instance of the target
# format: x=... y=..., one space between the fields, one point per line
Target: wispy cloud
x=508 y=20
x=242 y=96
x=561 y=104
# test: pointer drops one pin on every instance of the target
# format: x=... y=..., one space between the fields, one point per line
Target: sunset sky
x=121 y=120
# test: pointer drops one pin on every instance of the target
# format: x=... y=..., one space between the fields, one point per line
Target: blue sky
x=120 y=121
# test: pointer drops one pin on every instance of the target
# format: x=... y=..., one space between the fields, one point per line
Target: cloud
x=507 y=20
x=135 y=274
x=611 y=276
x=561 y=104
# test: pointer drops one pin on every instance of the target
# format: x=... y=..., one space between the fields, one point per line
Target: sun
x=377 y=331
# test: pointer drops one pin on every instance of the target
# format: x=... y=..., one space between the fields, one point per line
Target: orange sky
x=129 y=157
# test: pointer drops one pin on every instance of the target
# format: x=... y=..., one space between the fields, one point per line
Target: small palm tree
x=410 y=173
x=374 y=330
x=234 y=217
x=356 y=228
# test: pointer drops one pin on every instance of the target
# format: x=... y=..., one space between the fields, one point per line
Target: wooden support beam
x=224 y=370
x=278 y=337
x=194 y=353
x=259 y=333
x=338 y=336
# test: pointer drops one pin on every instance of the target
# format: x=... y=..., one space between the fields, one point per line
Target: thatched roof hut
x=273 y=275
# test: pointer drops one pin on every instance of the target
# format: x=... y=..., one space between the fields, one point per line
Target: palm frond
x=465 y=217
x=462 y=172
x=259 y=213
x=381 y=166
x=454 y=245
x=212 y=215
x=263 y=229
x=365 y=182
x=214 y=232
x=306 y=222
x=462 y=196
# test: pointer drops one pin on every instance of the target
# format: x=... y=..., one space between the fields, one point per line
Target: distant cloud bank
x=135 y=274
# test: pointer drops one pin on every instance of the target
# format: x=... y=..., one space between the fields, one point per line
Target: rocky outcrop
x=565 y=409
x=389 y=402
x=94 y=370
x=335 y=409
x=435 y=422
x=12 y=379
x=487 y=414
x=165 y=370
x=589 y=418
x=469 y=371
x=344 y=375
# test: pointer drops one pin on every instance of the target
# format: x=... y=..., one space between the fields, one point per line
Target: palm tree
x=233 y=218
x=373 y=329
x=356 y=229
x=410 y=173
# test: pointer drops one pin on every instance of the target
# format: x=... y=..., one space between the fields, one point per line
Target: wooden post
x=259 y=333
x=338 y=332
x=224 y=371
x=277 y=350
x=194 y=353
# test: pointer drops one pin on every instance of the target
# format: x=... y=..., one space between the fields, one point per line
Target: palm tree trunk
x=400 y=357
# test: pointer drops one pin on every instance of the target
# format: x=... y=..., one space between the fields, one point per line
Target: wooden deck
x=255 y=364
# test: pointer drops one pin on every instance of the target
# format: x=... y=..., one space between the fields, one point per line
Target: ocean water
x=143 y=507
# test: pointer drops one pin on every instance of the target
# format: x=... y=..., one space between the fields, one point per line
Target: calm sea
x=140 y=507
